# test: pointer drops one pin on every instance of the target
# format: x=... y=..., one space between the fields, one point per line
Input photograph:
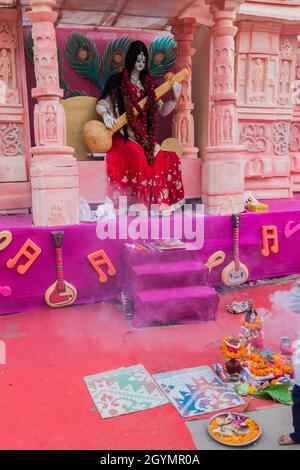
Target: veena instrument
x=98 y=137
x=5 y=240
x=236 y=272
x=60 y=293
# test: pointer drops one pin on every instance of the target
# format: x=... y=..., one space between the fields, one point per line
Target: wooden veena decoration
x=5 y=240
x=60 y=293
x=98 y=137
x=236 y=272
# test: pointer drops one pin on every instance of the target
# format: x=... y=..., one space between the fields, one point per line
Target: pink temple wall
x=101 y=36
x=200 y=86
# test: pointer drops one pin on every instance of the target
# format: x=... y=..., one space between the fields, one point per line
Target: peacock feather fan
x=161 y=55
x=113 y=59
x=83 y=57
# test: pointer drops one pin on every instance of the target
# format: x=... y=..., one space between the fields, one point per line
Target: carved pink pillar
x=223 y=167
x=183 y=120
x=54 y=171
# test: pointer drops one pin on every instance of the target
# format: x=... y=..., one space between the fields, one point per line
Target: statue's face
x=140 y=62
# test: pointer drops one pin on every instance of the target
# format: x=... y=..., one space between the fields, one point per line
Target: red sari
x=130 y=174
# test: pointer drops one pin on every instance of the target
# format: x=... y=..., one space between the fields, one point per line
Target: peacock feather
x=161 y=55
x=71 y=93
x=62 y=81
x=113 y=58
x=28 y=45
x=83 y=57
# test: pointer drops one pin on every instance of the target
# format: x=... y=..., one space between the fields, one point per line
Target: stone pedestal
x=183 y=120
x=54 y=172
x=223 y=172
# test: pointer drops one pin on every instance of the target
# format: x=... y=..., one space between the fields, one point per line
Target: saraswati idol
x=136 y=165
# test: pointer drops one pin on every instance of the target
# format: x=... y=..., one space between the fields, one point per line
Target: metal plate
x=243 y=444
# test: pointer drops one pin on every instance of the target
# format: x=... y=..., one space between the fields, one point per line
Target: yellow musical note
x=99 y=258
x=269 y=232
x=5 y=239
x=24 y=251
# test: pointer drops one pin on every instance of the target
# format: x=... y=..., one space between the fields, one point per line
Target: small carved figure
x=5 y=66
x=257 y=75
x=284 y=78
x=50 y=123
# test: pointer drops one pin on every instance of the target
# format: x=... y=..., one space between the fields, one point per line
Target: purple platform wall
x=28 y=290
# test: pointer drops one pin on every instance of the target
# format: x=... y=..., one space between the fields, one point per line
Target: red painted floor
x=45 y=403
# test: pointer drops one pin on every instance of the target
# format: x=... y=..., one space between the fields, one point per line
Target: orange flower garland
x=230 y=354
x=260 y=370
x=252 y=434
x=257 y=325
x=258 y=364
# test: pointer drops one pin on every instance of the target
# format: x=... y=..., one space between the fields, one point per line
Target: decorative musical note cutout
x=5 y=291
x=30 y=255
x=214 y=260
x=61 y=292
x=100 y=258
x=269 y=232
x=288 y=231
x=5 y=239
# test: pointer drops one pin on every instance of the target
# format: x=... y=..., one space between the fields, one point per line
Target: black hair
x=248 y=315
x=136 y=48
x=113 y=86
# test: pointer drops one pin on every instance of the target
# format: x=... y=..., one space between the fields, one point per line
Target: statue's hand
x=177 y=90
x=109 y=120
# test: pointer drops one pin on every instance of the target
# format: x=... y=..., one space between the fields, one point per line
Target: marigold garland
x=257 y=325
x=252 y=434
x=260 y=370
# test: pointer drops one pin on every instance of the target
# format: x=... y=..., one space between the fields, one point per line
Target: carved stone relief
x=49 y=118
x=285 y=73
x=257 y=79
x=45 y=56
x=254 y=137
x=10 y=140
x=294 y=144
x=8 y=78
x=254 y=168
x=281 y=138
x=223 y=80
x=223 y=121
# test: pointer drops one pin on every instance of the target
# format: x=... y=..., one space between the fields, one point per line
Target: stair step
x=175 y=306
x=133 y=257
x=151 y=276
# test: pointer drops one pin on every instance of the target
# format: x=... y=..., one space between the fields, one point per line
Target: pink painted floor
x=45 y=403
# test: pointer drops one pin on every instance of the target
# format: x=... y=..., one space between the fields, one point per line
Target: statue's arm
x=104 y=107
x=166 y=108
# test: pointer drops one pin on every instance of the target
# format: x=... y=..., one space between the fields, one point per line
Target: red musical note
x=24 y=251
x=99 y=258
x=269 y=232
